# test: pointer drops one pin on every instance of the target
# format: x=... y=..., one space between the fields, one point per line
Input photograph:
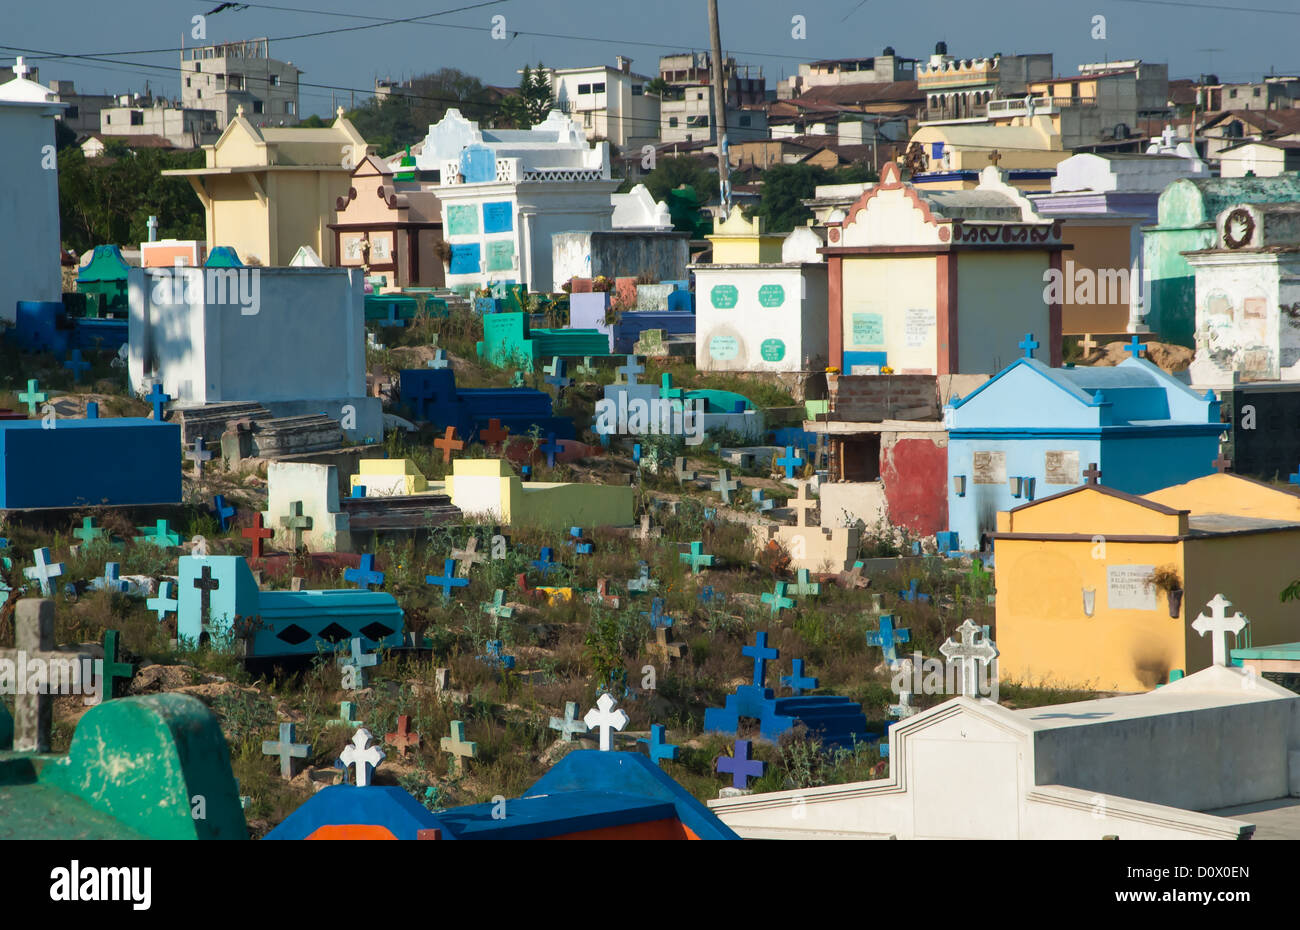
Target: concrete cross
x=296 y=523
x=347 y=716
x=696 y=557
x=968 y=654
x=791 y=461
x=44 y=570
x=852 y=578
x=1135 y=347
x=555 y=375
x=1222 y=463
x=580 y=545
x=224 y=512
x=679 y=468
x=165 y=603
x=256 y=533
x=448 y=444
x=544 y=564
x=159 y=401
x=602 y=596
x=32 y=397
x=1028 y=344
x=113 y=670
x=493 y=434
x=34 y=707
x=550 y=449
x=111 y=580
x=656 y=614
x=88 y=532
x=627 y=373
x=1092 y=473
x=802 y=504
x=439 y=359
x=362 y=755
x=358 y=658
x=403 y=739
x=724 y=485
x=643 y=582
x=459 y=748
x=365 y=574
x=605 y=718
x=1087 y=343
x=160 y=535
x=496 y=607
x=20 y=68
x=569 y=725
x=761 y=500
x=468 y=557
x=797 y=681
x=647 y=533
x=761 y=653
x=661 y=648
x=448 y=580
x=777 y=599
x=657 y=746
x=1219 y=625
x=76 y=365
x=904 y=708
x=286 y=749
x=805 y=586
x=495 y=656
x=740 y=766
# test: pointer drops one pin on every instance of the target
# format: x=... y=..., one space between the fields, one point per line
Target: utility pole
x=719 y=109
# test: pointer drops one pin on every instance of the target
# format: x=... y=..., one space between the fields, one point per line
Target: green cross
x=113 y=669
x=696 y=557
x=88 y=532
x=160 y=535
x=295 y=523
x=347 y=716
x=458 y=747
x=778 y=599
x=804 y=587
x=496 y=607
x=33 y=397
x=668 y=391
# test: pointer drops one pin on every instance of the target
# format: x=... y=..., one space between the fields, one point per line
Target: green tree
x=111 y=200
x=387 y=124
x=657 y=86
x=784 y=188
x=529 y=105
x=674 y=171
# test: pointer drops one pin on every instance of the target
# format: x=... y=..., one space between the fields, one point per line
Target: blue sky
x=1236 y=39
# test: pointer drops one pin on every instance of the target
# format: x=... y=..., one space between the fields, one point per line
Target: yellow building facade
x=269 y=191
x=741 y=241
x=1076 y=606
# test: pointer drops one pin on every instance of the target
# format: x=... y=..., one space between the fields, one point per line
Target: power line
x=1212 y=6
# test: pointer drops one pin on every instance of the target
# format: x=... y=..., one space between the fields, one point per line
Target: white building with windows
x=233 y=74
x=506 y=192
x=609 y=103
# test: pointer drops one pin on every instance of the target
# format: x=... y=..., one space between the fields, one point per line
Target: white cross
x=43 y=570
x=20 y=69
x=1219 y=625
x=364 y=758
x=904 y=708
x=802 y=504
x=631 y=369
x=198 y=455
x=605 y=719
x=967 y=653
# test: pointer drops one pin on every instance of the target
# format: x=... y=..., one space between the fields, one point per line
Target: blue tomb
x=431 y=394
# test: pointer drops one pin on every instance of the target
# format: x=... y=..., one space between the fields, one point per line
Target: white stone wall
x=760 y=317
x=29 y=206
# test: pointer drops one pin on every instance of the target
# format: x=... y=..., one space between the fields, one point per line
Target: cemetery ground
x=567 y=648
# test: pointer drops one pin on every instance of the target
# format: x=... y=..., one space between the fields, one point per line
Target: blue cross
x=708 y=595
x=657 y=616
x=448 y=580
x=551 y=448
x=158 y=399
x=1029 y=344
x=1295 y=479
x=111 y=581
x=496 y=657
x=760 y=499
x=365 y=575
x=630 y=370
x=165 y=603
x=796 y=681
x=224 y=511
x=658 y=746
x=912 y=595
x=439 y=359
x=739 y=765
x=75 y=363
x=760 y=653
x=1135 y=347
x=555 y=374
x=580 y=545
x=92 y=410
x=358 y=490
x=887 y=638
x=790 y=461
x=525 y=471
x=544 y=564
x=636 y=453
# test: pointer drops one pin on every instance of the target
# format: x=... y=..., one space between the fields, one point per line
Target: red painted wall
x=915 y=472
